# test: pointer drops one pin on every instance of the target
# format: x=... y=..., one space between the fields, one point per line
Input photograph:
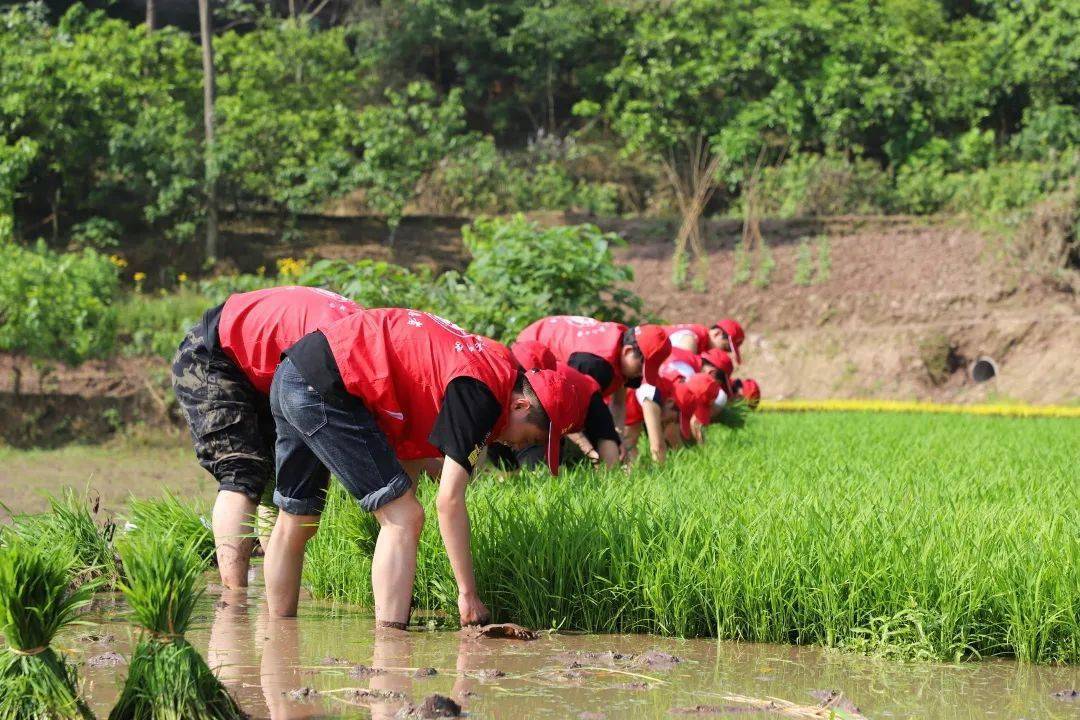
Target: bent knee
x=406 y=514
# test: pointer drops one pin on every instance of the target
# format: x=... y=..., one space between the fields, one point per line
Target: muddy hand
x=472 y=610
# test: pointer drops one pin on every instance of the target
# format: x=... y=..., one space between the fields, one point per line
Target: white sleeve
x=721 y=399
x=645 y=392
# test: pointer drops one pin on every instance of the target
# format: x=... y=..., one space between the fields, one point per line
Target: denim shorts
x=316 y=438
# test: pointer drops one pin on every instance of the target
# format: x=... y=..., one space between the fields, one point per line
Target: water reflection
x=332 y=650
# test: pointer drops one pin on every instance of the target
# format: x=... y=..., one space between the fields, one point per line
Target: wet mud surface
x=331 y=663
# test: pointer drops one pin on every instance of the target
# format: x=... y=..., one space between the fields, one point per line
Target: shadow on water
x=331 y=663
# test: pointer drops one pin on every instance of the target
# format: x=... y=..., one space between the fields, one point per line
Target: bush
x=56 y=306
x=521 y=271
x=148 y=325
x=372 y=283
x=828 y=184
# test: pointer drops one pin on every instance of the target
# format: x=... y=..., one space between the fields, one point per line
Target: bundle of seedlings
x=169 y=515
x=36 y=601
x=167 y=678
x=71 y=524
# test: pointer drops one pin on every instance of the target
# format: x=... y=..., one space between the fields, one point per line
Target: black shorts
x=230 y=421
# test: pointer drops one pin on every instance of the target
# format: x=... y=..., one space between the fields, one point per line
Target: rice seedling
x=170 y=516
x=69 y=528
x=906 y=535
x=37 y=600
x=167 y=678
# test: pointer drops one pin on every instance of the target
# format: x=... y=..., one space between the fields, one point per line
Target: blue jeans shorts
x=316 y=438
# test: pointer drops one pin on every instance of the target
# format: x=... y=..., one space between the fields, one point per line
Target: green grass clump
x=167 y=678
x=36 y=601
x=69 y=528
x=913 y=536
x=170 y=516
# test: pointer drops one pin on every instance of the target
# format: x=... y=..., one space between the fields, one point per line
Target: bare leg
x=266 y=518
x=232 y=518
x=285 y=561
x=393 y=567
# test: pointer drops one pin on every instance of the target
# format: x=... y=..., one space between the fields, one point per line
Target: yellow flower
x=118 y=261
x=139 y=277
x=182 y=278
x=291 y=267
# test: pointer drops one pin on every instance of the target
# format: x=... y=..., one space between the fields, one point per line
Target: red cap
x=563 y=404
x=720 y=359
x=655 y=346
x=735 y=334
x=585 y=387
x=533 y=355
x=695 y=397
x=751 y=392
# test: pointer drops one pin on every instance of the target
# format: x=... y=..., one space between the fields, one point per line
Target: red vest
x=701 y=333
x=399 y=363
x=256 y=327
x=680 y=364
x=565 y=335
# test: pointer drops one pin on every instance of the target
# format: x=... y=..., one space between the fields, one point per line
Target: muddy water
x=333 y=651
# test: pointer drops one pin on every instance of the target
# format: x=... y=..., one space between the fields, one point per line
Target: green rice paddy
x=912 y=536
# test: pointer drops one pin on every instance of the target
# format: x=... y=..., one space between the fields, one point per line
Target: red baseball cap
x=533 y=355
x=751 y=392
x=735 y=334
x=655 y=346
x=695 y=397
x=720 y=359
x=584 y=385
x=563 y=404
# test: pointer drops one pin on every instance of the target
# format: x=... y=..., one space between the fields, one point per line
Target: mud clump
x=488 y=674
x=714 y=710
x=1070 y=695
x=425 y=672
x=835 y=700
x=365 y=694
x=363 y=671
x=96 y=639
x=601 y=659
x=106 y=660
x=302 y=693
x=331 y=660
x=632 y=686
x=656 y=660
x=434 y=706
x=499 y=631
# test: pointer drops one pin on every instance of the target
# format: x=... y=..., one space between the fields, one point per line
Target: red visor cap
x=720 y=359
x=751 y=392
x=563 y=404
x=655 y=346
x=584 y=385
x=533 y=355
x=735 y=334
x=695 y=397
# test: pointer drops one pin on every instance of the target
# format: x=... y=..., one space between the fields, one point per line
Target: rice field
x=914 y=536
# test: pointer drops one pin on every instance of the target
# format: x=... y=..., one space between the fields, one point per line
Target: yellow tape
x=903 y=406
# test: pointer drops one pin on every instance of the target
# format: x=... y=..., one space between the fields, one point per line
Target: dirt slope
x=907 y=306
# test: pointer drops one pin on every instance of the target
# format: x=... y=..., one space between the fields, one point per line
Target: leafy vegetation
x=912 y=106
x=37 y=600
x=944 y=536
x=169 y=516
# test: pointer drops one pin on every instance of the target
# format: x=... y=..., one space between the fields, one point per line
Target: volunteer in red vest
x=593 y=433
x=221 y=376
x=726 y=335
x=749 y=391
x=380 y=387
x=615 y=356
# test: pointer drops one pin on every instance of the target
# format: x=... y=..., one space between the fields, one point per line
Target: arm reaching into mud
x=697 y=430
x=454 y=527
x=618 y=410
x=654 y=426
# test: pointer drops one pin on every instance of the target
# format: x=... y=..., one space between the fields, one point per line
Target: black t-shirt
x=594 y=366
x=599 y=425
x=465 y=421
x=312 y=356
x=210 y=320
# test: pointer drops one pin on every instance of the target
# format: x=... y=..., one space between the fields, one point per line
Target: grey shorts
x=314 y=436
